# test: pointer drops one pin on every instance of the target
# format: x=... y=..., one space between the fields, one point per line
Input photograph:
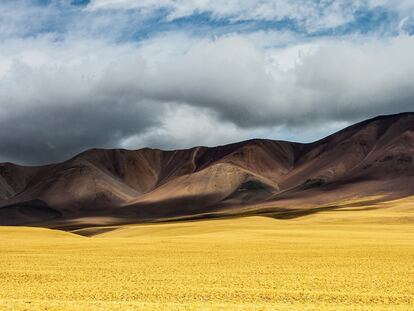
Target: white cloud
x=397 y=5
x=321 y=79
x=183 y=126
x=312 y=14
x=16 y=20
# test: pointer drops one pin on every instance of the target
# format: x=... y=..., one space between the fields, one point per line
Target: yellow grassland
x=357 y=258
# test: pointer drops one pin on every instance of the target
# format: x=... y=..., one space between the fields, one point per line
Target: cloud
x=60 y=97
x=93 y=80
x=15 y=21
x=327 y=79
x=313 y=15
x=184 y=126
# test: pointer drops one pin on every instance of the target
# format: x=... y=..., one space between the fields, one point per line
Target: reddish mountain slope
x=374 y=157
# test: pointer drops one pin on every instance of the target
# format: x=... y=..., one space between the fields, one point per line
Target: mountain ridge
x=372 y=157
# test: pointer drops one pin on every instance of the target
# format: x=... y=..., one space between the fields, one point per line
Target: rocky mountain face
x=374 y=158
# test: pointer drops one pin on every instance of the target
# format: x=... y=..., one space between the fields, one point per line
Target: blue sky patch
x=133 y=25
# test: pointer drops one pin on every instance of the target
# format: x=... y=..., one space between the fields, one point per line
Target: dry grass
x=350 y=260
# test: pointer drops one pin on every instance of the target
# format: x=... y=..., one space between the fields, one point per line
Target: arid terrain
x=357 y=259
x=255 y=225
x=207 y=155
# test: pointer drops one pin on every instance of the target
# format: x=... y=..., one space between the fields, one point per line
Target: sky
x=172 y=74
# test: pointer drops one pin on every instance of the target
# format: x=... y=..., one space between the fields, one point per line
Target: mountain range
x=372 y=159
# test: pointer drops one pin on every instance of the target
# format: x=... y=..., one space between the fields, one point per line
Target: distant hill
x=371 y=158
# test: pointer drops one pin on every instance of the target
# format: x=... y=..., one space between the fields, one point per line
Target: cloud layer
x=66 y=90
x=313 y=15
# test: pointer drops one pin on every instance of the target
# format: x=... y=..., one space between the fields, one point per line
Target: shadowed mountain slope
x=371 y=158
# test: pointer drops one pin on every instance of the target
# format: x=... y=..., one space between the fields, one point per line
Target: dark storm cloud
x=57 y=101
x=53 y=133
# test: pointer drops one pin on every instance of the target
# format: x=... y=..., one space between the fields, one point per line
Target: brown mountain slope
x=374 y=157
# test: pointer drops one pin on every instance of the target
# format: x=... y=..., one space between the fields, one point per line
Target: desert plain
x=352 y=258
